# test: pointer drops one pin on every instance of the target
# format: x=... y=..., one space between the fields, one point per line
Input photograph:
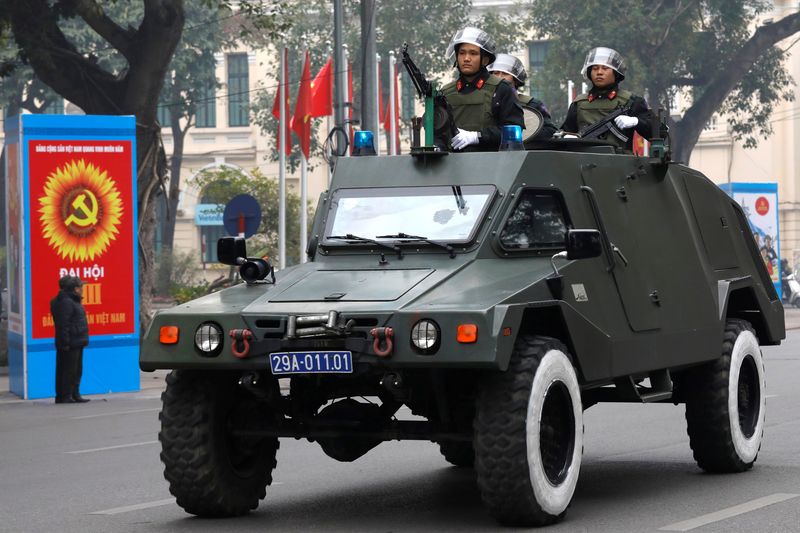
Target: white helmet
x=510 y=65
x=471 y=35
x=607 y=57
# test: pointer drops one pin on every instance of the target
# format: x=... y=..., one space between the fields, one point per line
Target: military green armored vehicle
x=497 y=295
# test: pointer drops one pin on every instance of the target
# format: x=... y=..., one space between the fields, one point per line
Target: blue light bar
x=511 y=138
x=363 y=143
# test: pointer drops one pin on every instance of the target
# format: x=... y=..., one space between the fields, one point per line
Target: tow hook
x=241 y=342
x=382 y=336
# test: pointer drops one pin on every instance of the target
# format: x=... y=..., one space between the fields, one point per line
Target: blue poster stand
x=760 y=204
x=110 y=362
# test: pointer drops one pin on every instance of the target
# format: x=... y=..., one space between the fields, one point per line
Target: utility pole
x=339 y=69
x=369 y=109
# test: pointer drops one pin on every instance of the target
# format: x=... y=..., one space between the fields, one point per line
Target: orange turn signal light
x=168 y=335
x=467 y=333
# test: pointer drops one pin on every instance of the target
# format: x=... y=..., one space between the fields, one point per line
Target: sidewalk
x=151 y=381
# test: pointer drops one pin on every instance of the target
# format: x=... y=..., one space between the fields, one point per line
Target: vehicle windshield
x=440 y=213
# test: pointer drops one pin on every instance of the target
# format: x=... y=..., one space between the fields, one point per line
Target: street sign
x=242 y=215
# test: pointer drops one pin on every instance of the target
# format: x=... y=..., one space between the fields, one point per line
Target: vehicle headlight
x=425 y=336
x=208 y=339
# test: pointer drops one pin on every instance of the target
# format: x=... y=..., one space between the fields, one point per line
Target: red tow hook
x=241 y=342
x=382 y=335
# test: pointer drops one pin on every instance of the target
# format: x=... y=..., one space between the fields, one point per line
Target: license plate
x=311 y=362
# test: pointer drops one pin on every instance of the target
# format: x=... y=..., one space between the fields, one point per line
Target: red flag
x=301 y=121
x=387 y=118
x=321 y=91
x=276 y=111
x=640 y=145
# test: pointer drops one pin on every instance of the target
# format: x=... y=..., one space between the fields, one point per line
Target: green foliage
x=668 y=46
x=185 y=293
x=222 y=184
x=192 y=71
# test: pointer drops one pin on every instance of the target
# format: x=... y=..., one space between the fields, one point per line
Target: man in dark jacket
x=72 y=335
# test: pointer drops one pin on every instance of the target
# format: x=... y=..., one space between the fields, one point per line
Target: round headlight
x=208 y=338
x=425 y=336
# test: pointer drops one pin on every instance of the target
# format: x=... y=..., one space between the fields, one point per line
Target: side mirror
x=584 y=243
x=231 y=250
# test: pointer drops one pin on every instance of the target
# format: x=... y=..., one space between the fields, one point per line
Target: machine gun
x=594 y=131
x=440 y=126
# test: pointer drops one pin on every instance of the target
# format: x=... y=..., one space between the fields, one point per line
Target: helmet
x=604 y=56
x=510 y=65
x=69 y=282
x=471 y=35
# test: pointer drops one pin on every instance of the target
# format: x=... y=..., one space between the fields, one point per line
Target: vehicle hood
x=362 y=285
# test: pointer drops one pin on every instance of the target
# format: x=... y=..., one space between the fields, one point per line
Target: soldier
x=605 y=68
x=510 y=69
x=481 y=103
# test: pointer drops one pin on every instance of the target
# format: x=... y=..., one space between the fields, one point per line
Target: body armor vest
x=473 y=111
x=594 y=111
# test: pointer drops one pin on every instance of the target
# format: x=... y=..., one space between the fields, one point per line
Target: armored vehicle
x=497 y=296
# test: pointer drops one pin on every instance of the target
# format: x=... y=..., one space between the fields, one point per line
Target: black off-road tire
x=726 y=402
x=458 y=453
x=529 y=435
x=211 y=472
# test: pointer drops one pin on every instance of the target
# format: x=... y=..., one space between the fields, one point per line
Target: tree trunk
x=687 y=131
x=174 y=191
x=75 y=76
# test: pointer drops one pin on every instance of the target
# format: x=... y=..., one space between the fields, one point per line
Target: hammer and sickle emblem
x=88 y=212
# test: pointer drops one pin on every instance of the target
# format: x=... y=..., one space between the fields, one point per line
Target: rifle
x=440 y=127
x=594 y=131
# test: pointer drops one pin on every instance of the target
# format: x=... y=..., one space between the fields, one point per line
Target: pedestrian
x=72 y=335
x=482 y=104
x=605 y=69
x=510 y=68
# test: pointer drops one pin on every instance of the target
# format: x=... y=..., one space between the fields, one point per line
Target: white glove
x=624 y=122
x=464 y=138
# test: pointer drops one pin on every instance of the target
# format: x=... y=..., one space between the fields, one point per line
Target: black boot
x=66 y=399
x=77 y=398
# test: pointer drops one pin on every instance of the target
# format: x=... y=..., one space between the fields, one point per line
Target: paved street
x=95 y=467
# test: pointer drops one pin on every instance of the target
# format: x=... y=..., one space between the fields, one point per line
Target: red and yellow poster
x=81 y=224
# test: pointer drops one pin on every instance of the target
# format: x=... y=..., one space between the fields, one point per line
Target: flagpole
x=282 y=165
x=392 y=106
x=377 y=104
x=570 y=88
x=303 y=208
x=349 y=100
x=328 y=148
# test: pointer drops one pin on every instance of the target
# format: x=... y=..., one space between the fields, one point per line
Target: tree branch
x=680 y=11
x=689 y=128
x=46 y=48
x=94 y=15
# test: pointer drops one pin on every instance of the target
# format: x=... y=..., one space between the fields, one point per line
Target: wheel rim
x=749 y=396
x=557 y=433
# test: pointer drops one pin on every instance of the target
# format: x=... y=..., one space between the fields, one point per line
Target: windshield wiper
x=349 y=237
x=416 y=238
